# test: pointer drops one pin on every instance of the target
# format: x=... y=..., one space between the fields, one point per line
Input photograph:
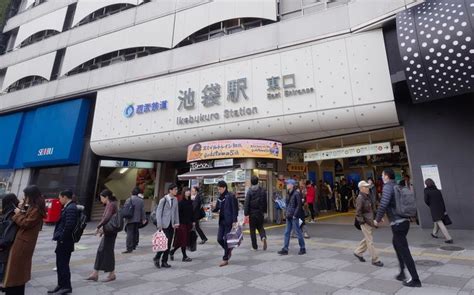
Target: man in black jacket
x=255 y=207
x=228 y=208
x=65 y=242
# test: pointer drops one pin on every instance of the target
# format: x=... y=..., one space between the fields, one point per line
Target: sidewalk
x=328 y=268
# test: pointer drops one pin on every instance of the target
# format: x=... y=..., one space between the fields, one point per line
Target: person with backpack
x=255 y=206
x=198 y=212
x=134 y=214
x=434 y=200
x=105 y=257
x=63 y=235
x=8 y=229
x=228 y=207
x=398 y=214
x=167 y=220
x=29 y=220
x=294 y=211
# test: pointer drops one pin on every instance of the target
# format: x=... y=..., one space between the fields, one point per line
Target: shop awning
x=200 y=174
x=10 y=126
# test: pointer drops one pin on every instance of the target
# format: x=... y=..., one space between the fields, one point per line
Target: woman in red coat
x=310 y=198
x=186 y=222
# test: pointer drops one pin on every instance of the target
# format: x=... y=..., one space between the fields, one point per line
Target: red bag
x=159 y=242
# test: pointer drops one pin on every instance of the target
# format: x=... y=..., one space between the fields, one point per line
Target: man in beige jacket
x=365 y=217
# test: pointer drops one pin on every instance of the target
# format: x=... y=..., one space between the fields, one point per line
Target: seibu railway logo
x=45 y=152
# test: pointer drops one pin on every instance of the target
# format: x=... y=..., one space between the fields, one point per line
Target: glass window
x=53 y=180
x=6 y=179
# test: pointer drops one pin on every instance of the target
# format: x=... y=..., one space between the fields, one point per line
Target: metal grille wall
x=436 y=47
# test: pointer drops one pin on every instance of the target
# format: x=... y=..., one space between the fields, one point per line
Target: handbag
x=357 y=224
x=192 y=240
x=115 y=224
x=446 y=220
x=159 y=241
x=234 y=237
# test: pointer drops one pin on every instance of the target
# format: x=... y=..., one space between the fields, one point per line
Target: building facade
x=137 y=82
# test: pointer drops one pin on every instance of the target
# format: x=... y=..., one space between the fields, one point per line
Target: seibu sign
x=244 y=148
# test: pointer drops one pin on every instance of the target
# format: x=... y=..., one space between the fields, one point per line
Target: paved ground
x=328 y=268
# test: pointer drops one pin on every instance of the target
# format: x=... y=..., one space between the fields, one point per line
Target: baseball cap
x=290 y=181
x=363 y=183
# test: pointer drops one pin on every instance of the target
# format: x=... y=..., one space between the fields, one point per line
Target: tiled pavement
x=328 y=268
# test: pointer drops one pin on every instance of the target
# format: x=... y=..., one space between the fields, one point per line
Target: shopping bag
x=192 y=240
x=234 y=237
x=159 y=242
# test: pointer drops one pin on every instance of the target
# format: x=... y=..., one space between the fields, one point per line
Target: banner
x=355 y=151
x=245 y=148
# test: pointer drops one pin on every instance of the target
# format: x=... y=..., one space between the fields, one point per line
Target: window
x=51 y=181
x=26 y=82
x=104 y=12
x=38 y=37
x=114 y=57
x=6 y=180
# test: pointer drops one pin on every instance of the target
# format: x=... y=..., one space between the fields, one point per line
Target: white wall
x=41 y=66
x=86 y=7
x=352 y=93
x=52 y=21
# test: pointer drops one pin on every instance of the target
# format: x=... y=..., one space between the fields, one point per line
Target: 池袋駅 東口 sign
x=242 y=148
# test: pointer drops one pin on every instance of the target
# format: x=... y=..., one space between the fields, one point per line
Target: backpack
x=128 y=209
x=80 y=226
x=153 y=215
x=115 y=224
x=8 y=229
x=405 y=203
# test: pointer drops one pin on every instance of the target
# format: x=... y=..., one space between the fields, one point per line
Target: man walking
x=228 y=208
x=133 y=222
x=255 y=207
x=345 y=191
x=65 y=242
x=294 y=209
x=365 y=217
x=400 y=226
x=167 y=220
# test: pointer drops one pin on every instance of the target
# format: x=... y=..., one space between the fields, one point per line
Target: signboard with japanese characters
x=297 y=167
x=347 y=152
x=246 y=148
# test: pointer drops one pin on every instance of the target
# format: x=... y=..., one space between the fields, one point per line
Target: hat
x=290 y=181
x=363 y=183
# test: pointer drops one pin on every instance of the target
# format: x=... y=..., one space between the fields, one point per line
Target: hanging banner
x=348 y=152
x=246 y=148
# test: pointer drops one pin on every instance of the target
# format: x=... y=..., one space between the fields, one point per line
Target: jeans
x=256 y=223
x=400 y=244
x=169 y=232
x=290 y=224
x=221 y=239
x=132 y=236
x=63 y=257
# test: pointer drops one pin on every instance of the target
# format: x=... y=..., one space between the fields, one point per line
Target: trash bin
x=53 y=211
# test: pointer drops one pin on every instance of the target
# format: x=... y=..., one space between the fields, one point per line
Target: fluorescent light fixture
x=123 y=170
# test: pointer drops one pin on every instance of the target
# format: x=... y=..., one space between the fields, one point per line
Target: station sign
x=348 y=152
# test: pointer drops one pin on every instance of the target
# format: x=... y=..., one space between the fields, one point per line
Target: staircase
x=97 y=211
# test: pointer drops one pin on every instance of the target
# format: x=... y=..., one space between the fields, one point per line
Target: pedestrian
x=279 y=206
x=310 y=198
x=228 y=208
x=346 y=192
x=29 y=220
x=167 y=220
x=105 y=257
x=322 y=191
x=328 y=191
x=400 y=227
x=337 y=197
x=365 y=217
x=9 y=204
x=255 y=207
x=294 y=208
x=408 y=182
x=199 y=213
x=434 y=200
x=186 y=223
x=132 y=223
x=65 y=242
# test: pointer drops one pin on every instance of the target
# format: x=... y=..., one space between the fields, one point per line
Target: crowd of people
x=177 y=218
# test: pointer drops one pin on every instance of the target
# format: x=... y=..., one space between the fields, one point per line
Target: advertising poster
x=431 y=171
x=246 y=148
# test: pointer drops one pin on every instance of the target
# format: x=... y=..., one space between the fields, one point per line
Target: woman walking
x=29 y=220
x=9 y=204
x=434 y=200
x=105 y=258
x=186 y=222
x=199 y=213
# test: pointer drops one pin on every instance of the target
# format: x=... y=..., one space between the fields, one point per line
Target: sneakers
x=361 y=259
x=401 y=277
x=412 y=283
x=306 y=236
x=434 y=236
x=302 y=251
x=449 y=241
x=127 y=252
x=202 y=242
x=224 y=263
x=377 y=263
x=283 y=252
x=264 y=240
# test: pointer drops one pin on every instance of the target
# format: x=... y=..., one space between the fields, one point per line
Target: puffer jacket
x=294 y=204
x=387 y=203
x=364 y=213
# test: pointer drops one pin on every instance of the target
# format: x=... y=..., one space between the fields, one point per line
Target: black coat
x=65 y=227
x=228 y=208
x=294 y=205
x=434 y=200
x=185 y=209
x=197 y=207
x=255 y=201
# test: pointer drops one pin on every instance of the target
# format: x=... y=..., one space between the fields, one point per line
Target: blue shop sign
x=10 y=126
